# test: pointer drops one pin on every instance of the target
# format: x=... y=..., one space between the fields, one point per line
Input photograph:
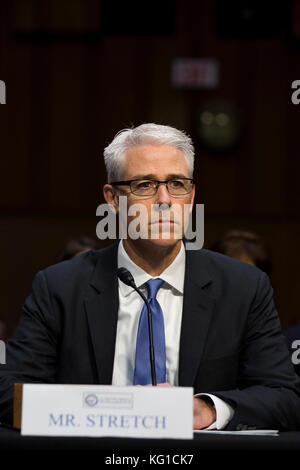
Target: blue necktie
x=142 y=372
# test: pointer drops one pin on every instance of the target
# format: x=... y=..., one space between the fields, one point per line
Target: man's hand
x=204 y=411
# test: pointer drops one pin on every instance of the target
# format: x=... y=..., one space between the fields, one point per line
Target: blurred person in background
x=252 y=249
x=73 y=247
x=77 y=246
x=245 y=246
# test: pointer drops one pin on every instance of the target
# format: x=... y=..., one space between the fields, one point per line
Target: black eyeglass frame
x=157 y=182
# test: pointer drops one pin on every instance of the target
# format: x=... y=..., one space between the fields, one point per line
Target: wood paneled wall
x=69 y=90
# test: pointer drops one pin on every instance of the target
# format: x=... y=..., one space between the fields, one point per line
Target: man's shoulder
x=81 y=267
x=215 y=259
x=219 y=266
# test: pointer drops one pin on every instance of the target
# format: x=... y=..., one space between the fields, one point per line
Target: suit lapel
x=101 y=304
x=197 y=312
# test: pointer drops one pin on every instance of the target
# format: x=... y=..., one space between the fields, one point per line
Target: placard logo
x=91 y=400
x=108 y=400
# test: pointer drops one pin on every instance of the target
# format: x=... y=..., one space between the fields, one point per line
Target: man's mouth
x=163 y=222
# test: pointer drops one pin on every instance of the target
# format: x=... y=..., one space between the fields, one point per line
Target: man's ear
x=111 y=196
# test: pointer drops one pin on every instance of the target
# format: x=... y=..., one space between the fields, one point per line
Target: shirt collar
x=173 y=274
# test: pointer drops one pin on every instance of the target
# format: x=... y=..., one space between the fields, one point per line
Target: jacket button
x=244 y=427
x=241 y=427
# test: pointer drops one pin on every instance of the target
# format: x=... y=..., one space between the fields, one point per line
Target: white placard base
x=103 y=410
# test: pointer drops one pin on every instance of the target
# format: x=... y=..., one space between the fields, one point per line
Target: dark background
x=77 y=71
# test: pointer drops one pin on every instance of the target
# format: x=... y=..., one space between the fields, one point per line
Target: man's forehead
x=153 y=176
x=153 y=150
x=153 y=161
x=154 y=155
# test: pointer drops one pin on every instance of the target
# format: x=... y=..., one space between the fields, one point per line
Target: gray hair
x=144 y=134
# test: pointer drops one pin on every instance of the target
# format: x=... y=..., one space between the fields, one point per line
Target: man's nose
x=162 y=195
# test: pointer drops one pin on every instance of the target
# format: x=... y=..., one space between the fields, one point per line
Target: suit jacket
x=231 y=343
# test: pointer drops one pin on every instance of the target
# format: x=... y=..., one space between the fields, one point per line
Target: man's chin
x=161 y=242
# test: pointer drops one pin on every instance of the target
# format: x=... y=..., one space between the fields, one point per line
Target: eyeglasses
x=175 y=186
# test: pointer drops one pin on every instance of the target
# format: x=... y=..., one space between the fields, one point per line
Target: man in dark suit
x=222 y=334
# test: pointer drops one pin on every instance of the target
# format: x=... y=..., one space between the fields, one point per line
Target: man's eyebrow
x=150 y=176
x=176 y=175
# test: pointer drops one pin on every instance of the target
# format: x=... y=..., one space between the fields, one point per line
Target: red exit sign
x=195 y=73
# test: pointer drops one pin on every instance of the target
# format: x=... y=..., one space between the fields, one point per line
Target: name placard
x=104 y=410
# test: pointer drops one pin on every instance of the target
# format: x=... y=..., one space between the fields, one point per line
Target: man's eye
x=144 y=184
x=176 y=184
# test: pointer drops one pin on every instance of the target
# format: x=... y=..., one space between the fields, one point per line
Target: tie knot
x=152 y=286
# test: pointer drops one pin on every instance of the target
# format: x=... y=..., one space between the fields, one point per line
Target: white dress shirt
x=170 y=298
